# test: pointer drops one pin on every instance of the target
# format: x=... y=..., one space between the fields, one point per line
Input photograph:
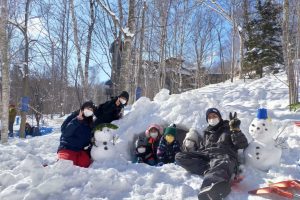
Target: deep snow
x=22 y=175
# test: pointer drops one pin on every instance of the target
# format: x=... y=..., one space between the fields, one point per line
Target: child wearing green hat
x=168 y=146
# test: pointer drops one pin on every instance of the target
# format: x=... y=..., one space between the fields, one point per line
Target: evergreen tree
x=263 y=44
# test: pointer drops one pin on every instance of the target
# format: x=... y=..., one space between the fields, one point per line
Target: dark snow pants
x=214 y=170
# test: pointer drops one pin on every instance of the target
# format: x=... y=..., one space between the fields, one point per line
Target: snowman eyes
x=264 y=124
x=253 y=125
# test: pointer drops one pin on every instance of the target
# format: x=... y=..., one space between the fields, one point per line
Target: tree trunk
x=5 y=70
x=88 y=49
x=26 y=69
x=78 y=50
x=140 y=59
x=293 y=98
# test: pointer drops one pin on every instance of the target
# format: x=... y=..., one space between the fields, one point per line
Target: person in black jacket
x=217 y=158
x=111 y=110
x=76 y=136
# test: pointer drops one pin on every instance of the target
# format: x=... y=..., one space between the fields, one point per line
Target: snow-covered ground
x=22 y=175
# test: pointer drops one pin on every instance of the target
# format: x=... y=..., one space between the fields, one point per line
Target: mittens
x=234 y=122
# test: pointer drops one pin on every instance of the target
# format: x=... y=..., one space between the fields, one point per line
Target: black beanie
x=88 y=104
x=213 y=110
x=125 y=95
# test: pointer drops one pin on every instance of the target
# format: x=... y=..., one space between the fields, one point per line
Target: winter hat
x=125 y=95
x=213 y=110
x=88 y=104
x=192 y=135
x=141 y=141
x=107 y=125
x=171 y=130
x=156 y=126
x=262 y=113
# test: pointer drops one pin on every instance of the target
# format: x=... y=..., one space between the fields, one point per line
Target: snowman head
x=260 y=127
x=104 y=132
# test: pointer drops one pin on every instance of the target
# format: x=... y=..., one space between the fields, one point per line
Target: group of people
x=214 y=156
x=157 y=147
x=76 y=138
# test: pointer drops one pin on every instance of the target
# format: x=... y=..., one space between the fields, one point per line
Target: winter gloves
x=234 y=122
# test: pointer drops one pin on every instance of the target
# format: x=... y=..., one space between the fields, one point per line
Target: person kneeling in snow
x=143 y=151
x=217 y=158
x=76 y=136
x=191 y=141
x=168 y=146
x=153 y=133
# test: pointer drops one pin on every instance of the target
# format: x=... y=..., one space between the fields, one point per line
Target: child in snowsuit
x=168 y=146
x=153 y=134
x=217 y=157
x=143 y=152
x=191 y=141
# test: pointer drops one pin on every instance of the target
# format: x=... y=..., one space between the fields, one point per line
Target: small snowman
x=104 y=142
x=262 y=153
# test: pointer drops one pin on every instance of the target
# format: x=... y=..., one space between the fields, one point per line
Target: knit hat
x=192 y=135
x=156 y=126
x=171 y=130
x=262 y=113
x=125 y=95
x=107 y=125
x=213 y=110
x=141 y=141
x=88 y=104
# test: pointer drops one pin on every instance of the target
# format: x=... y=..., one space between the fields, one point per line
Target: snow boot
x=217 y=191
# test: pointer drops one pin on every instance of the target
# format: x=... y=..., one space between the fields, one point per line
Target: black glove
x=234 y=122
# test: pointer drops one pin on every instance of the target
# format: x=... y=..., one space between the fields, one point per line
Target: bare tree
x=5 y=69
x=292 y=82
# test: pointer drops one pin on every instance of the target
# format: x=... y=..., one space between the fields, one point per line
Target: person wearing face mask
x=153 y=133
x=143 y=151
x=217 y=157
x=76 y=136
x=191 y=141
x=168 y=146
x=111 y=110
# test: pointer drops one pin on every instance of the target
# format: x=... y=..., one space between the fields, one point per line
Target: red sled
x=281 y=188
x=297 y=123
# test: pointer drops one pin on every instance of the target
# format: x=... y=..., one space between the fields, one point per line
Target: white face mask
x=123 y=101
x=141 y=149
x=153 y=134
x=88 y=112
x=189 y=144
x=213 y=121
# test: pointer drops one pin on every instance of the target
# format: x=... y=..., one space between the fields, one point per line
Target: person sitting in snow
x=217 y=158
x=144 y=152
x=191 y=141
x=76 y=136
x=111 y=110
x=153 y=133
x=168 y=146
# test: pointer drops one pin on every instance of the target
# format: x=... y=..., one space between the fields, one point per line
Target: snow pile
x=22 y=175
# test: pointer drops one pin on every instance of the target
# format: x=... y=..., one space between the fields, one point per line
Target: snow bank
x=22 y=175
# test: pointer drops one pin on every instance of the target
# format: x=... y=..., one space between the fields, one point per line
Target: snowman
x=262 y=152
x=104 y=142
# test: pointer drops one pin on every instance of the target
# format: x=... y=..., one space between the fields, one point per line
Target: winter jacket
x=108 y=112
x=154 y=143
x=76 y=134
x=146 y=157
x=166 y=152
x=219 y=140
x=12 y=114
